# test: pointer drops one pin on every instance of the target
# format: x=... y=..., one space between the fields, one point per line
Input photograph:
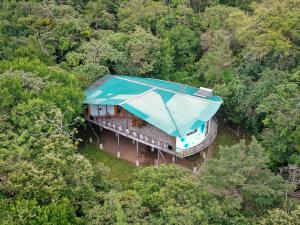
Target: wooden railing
x=155 y=143
x=150 y=141
x=209 y=138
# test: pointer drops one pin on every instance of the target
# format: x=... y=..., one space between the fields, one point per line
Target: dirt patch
x=144 y=155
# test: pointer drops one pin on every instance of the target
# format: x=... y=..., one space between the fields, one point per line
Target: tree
x=246 y=178
x=269 y=35
x=243 y=4
x=185 y=43
x=29 y=212
x=142 y=50
x=144 y=14
x=165 y=62
x=98 y=15
x=281 y=121
x=119 y=208
x=173 y=196
x=279 y=216
x=216 y=62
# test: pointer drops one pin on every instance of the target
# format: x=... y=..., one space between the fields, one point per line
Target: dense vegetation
x=51 y=50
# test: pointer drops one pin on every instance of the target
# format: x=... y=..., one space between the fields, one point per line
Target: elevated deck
x=153 y=137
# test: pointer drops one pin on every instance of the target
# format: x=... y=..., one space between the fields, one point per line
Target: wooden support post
x=91 y=126
x=137 y=163
x=194 y=169
x=157 y=157
x=162 y=155
x=173 y=159
x=100 y=134
x=203 y=155
x=118 y=154
x=118 y=136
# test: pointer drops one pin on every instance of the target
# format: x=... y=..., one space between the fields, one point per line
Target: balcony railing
x=155 y=143
x=209 y=138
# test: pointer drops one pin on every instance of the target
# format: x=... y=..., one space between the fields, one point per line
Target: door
x=101 y=110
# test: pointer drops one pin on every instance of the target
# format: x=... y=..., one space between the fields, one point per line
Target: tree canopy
x=247 y=51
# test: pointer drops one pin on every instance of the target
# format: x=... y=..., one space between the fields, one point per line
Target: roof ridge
x=141 y=83
x=146 y=92
x=172 y=119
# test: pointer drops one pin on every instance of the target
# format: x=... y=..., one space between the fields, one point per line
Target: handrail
x=181 y=153
x=212 y=133
x=127 y=132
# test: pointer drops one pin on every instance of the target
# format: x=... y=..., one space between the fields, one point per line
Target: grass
x=225 y=137
x=119 y=168
x=123 y=170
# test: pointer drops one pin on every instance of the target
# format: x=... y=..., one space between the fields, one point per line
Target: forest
x=248 y=51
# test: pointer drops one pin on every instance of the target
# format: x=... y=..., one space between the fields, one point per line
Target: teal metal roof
x=169 y=106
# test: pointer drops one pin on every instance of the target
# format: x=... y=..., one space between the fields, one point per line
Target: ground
x=123 y=169
x=119 y=168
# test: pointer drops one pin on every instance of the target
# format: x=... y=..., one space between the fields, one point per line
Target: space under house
x=170 y=117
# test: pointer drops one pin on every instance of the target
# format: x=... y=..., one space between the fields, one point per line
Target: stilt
x=157 y=157
x=203 y=155
x=162 y=155
x=173 y=159
x=118 y=136
x=101 y=146
x=137 y=163
x=91 y=140
x=194 y=169
x=100 y=135
x=118 y=153
x=91 y=126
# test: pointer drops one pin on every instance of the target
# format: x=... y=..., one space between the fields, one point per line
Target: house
x=170 y=117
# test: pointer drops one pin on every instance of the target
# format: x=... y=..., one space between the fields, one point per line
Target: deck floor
x=146 y=130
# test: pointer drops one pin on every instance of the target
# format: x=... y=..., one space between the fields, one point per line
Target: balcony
x=152 y=136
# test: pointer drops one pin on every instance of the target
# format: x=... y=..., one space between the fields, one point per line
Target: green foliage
x=119 y=208
x=185 y=42
x=246 y=178
x=269 y=34
x=29 y=212
x=281 y=121
x=216 y=63
x=243 y=4
x=100 y=14
x=145 y=14
x=50 y=51
x=278 y=216
x=173 y=196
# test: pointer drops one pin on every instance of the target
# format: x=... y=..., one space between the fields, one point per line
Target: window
x=192 y=132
